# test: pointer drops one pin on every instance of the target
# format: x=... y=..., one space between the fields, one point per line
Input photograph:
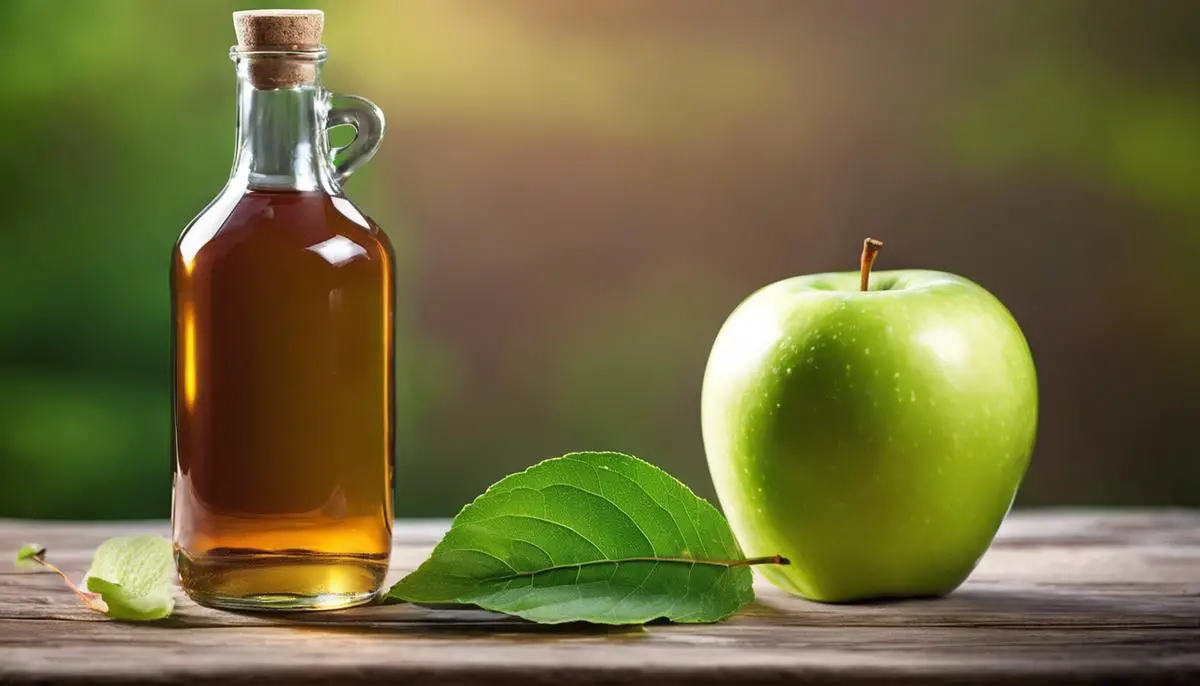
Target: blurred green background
x=580 y=193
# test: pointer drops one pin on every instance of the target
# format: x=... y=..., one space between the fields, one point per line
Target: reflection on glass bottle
x=283 y=305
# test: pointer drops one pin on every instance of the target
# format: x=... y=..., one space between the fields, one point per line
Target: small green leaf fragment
x=28 y=555
x=134 y=575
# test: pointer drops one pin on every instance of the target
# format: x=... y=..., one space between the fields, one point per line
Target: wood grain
x=1062 y=597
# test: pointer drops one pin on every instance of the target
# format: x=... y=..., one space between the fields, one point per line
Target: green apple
x=874 y=437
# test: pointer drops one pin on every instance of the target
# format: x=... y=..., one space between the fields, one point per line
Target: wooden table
x=1064 y=596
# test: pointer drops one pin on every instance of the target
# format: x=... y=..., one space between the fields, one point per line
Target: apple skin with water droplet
x=875 y=438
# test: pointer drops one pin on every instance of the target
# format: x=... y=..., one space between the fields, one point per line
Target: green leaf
x=134 y=575
x=28 y=555
x=592 y=537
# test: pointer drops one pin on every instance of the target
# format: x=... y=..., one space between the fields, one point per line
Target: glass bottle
x=283 y=305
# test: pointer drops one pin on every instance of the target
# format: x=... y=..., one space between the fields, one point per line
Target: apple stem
x=768 y=560
x=870 y=250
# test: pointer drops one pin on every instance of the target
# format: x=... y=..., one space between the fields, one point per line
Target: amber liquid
x=283 y=403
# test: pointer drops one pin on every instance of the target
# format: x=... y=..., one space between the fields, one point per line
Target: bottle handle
x=368 y=122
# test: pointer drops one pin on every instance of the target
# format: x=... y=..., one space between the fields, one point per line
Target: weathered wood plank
x=1063 y=596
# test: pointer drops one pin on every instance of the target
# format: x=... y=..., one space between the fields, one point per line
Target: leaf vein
x=620 y=509
x=585 y=539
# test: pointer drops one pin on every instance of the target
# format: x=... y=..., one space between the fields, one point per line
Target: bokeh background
x=581 y=192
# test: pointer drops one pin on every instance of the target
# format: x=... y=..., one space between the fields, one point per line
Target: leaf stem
x=92 y=600
x=767 y=560
x=870 y=250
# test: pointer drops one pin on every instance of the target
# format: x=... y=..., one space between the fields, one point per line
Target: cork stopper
x=289 y=30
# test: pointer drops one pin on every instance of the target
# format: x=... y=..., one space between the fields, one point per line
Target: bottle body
x=283 y=309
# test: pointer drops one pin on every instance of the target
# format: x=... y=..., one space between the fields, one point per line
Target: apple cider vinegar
x=282 y=302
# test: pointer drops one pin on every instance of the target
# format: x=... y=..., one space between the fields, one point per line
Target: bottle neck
x=281 y=139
